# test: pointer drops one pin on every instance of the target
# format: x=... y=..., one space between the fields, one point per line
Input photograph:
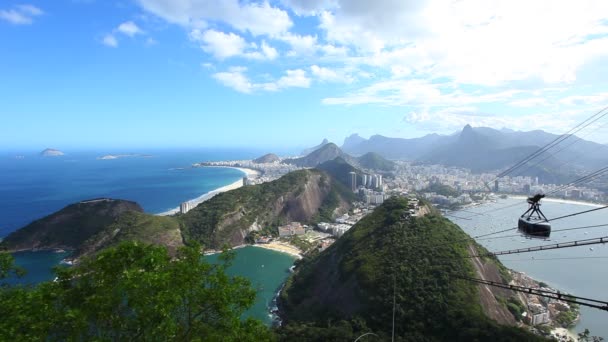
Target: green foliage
x=566 y=318
x=301 y=243
x=442 y=189
x=242 y=206
x=216 y=222
x=586 y=337
x=355 y=277
x=374 y=161
x=136 y=226
x=7 y=266
x=134 y=292
x=69 y=227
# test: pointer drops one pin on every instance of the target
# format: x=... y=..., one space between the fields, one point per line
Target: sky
x=229 y=73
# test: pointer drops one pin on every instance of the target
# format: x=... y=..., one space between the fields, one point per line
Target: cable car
x=533 y=222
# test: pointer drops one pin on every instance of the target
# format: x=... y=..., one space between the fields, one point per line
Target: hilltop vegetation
x=230 y=216
x=132 y=292
x=71 y=226
x=374 y=161
x=351 y=284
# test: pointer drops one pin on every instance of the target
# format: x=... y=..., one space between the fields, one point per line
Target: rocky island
x=51 y=152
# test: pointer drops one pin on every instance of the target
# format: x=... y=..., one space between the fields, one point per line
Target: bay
x=267 y=270
x=581 y=271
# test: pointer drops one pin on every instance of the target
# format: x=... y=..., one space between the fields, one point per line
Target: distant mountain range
x=485 y=149
x=330 y=151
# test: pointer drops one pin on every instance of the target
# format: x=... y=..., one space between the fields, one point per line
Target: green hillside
x=228 y=217
x=348 y=289
x=374 y=161
x=71 y=226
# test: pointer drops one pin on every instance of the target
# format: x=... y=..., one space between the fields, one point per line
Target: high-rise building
x=353 y=181
x=364 y=180
x=496 y=185
x=379 y=181
x=374 y=181
x=185 y=207
x=245 y=181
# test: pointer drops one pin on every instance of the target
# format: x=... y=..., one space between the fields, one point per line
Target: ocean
x=33 y=187
x=580 y=271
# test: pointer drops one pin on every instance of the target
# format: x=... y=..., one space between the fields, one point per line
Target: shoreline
x=281 y=248
x=250 y=173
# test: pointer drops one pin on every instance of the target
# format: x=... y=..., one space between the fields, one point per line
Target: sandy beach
x=196 y=201
x=558 y=200
x=281 y=247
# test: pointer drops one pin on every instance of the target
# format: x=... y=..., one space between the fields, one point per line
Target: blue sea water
x=265 y=269
x=32 y=186
x=580 y=271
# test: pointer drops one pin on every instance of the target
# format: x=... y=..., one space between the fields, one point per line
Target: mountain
x=387 y=258
x=352 y=141
x=69 y=227
x=374 y=161
x=298 y=196
x=89 y=226
x=340 y=169
x=309 y=150
x=324 y=153
x=49 y=152
x=487 y=149
x=331 y=151
x=393 y=148
x=267 y=158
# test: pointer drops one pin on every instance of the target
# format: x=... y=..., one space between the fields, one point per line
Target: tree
x=134 y=292
x=585 y=336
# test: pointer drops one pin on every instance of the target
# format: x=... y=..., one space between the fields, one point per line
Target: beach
x=206 y=196
x=281 y=247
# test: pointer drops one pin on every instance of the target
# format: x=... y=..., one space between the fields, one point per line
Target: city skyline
x=194 y=73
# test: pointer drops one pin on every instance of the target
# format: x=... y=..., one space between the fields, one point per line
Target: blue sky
x=194 y=73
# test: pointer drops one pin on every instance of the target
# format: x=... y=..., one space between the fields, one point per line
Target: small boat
x=533 y=222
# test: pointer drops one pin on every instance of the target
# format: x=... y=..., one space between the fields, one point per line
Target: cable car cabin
x=533 y=222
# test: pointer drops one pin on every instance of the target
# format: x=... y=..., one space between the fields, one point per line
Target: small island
x=116 y=156
x=51 y=152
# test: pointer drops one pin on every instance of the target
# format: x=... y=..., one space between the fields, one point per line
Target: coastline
x=250 y=173
x=282 y=248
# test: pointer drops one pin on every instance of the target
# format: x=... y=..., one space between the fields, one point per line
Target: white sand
x=250 y=174
x=281 y=247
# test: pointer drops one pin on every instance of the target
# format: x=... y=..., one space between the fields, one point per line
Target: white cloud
x=21 y=14
x=109 y=40
x=577 y=100
x=219 y=44
x=255 y=18
x=330 y=75
x=309 y=7
x=225 y=45
x=294 y=78
x=236 y=79
x=300 y=45
x=268 y=51
x=129 y=28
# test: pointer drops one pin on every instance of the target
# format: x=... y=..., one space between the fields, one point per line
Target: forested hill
x=302 y=196
x=347 y=290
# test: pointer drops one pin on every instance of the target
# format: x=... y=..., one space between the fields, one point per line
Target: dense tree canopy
x=132 y=292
